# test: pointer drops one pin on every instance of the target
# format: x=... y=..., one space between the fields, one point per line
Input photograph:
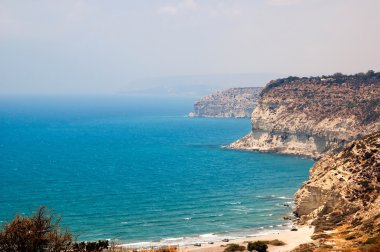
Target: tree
x=40 y=232
x=259 y=246
x=370 y=73
x=338 y=75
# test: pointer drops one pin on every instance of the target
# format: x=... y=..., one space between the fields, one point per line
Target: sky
x=120 y=46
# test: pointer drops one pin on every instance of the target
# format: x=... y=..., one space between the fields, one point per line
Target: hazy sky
x=102 y=46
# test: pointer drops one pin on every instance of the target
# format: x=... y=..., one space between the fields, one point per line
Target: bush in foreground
x=259 y=246
x=40 y=232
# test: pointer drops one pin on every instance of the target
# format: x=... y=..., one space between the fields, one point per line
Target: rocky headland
x=233 y=102
x=341 y=198
x=314 y=116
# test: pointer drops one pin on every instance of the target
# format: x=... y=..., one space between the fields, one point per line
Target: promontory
x=314 y=116
x=233 y=102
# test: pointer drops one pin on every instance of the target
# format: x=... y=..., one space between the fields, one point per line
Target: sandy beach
x=291 y=238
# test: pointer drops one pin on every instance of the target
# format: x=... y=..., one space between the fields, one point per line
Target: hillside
x=314 y=116
x=341 y=197
x=233 y=102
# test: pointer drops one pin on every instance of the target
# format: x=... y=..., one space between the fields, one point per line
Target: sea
x=138 y=171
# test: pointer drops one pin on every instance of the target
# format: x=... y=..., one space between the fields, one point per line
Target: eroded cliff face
x=314 y=116
x=341 y=198
x=233 y=102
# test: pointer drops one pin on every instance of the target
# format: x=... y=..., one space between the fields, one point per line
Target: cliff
x=233 y=102
x=314 y=116
x=341 y=197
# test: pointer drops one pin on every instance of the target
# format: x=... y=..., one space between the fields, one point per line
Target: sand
x=291 y=238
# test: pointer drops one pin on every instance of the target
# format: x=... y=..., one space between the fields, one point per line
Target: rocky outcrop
x=314 y=116
x=233 y=102
x=341 y=198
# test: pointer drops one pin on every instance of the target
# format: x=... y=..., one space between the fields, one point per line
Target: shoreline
x=258 y=150
x=291 y=238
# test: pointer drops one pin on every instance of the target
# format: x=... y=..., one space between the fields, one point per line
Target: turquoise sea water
x=136 y=169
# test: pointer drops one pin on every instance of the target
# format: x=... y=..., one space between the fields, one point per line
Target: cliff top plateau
x=314 y=116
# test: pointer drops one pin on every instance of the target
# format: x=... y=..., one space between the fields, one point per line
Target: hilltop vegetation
x=371 y=77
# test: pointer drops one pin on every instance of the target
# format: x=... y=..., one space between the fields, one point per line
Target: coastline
x=291 y=238
x=256 y=150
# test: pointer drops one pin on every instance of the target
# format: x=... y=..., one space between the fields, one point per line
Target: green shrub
x=81 y=246
x=91 y=246
x=259 y=246
x=234 y=247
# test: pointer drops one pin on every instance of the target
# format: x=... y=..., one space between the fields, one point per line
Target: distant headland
x=230 y=103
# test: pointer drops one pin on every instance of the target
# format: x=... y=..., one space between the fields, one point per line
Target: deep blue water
x=136 y=169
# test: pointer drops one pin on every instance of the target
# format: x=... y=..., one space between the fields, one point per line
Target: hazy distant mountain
x=196 y=85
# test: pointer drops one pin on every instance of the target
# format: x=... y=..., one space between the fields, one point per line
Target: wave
x=138 y=245
x=266 y=215
x=208 y=237
x=172 y=239
x=272 y=197
x=283 y=197
x=215 y=215
x=243 y=210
